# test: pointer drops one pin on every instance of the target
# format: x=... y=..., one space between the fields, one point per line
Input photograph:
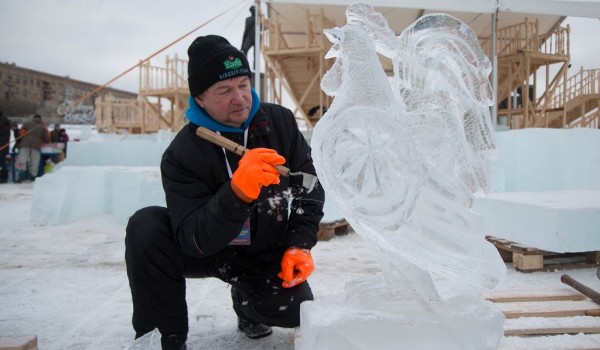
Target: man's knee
x=146 y=226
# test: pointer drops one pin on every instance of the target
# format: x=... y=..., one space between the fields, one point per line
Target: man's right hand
x=255 y=170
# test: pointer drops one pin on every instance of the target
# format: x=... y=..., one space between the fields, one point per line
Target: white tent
x=483 y=16
x=478 y=14
x=562 y=8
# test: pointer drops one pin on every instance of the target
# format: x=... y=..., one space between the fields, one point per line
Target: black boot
x=174 y=342
x=253 y=330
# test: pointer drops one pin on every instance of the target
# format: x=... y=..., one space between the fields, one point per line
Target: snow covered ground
x=67 y=284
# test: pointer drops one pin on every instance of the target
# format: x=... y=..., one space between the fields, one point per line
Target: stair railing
x=585 y=82
x=176 y=73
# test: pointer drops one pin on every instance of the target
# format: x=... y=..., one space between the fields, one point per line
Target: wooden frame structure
x=525 y=99
x=297 y=69
x=158 y=87
x=563 y=103
x=114 y=115
x=522 y=54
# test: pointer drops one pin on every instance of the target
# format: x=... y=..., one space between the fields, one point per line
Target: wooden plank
x=593 y=258
x=329 y=229
x=531 y=259
x=561 y=308
x=558 y=342
x=543 y=314
x=527 y=262
x=524 y=249
x=558 y=313
x=538 y=298
x=535 y=326
x=325 y=234
x=549 y=331
x=19 y=342
x=334 y=224
x=506 y=255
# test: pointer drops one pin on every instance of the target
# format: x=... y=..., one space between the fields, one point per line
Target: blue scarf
x=198 y=116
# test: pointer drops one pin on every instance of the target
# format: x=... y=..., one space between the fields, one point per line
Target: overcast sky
x=96 y=40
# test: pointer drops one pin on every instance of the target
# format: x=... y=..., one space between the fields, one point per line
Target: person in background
x=63 y=137
x=4 y=146
x=33 y=134
x=54 y=134
x=16 y=135
x=59 y=135
x=55 y=138
x=227 y=217
x=249 y=31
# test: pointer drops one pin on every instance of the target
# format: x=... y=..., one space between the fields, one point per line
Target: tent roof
x=572 y=8
x=401 y=13
x=575 y=8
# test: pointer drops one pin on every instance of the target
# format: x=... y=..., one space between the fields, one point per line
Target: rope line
x=20 y=136
x=285 y=18
x=101 y=87
x=242 y=8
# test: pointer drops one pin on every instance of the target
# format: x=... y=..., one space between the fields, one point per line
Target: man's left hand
x=296 y=265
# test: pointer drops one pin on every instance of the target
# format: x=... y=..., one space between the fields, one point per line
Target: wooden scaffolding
x=297 y=69
x=533 y=87
x=524 y=98
x=553 y=100
x=163 y=98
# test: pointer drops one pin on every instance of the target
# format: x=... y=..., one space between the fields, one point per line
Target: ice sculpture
x=404 y=161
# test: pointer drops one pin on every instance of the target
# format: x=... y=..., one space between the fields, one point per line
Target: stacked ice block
x=546 y=185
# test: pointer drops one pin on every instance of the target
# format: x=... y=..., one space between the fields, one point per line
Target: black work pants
x=3 y=165
x=157 y=271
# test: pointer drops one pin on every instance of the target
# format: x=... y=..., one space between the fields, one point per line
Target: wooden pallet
x=329 y=229
x=529 y=259
x=547 y=315
x=19 y=342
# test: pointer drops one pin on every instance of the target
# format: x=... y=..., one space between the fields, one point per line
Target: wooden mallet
x=308 y=180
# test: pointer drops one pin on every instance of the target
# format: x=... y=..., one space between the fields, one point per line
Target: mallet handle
x=231 y=146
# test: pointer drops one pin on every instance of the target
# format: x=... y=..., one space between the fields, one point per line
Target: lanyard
x=225 y=152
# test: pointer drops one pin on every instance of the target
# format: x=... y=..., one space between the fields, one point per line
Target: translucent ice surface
x=404 y=167
x=404 y=161
x=375 y=316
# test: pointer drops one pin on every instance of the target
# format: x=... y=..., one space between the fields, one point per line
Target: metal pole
x=257 y=45
x=494 y=72
x=580 y=287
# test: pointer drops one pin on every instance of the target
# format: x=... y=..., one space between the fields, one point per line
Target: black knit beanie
x=212 y=59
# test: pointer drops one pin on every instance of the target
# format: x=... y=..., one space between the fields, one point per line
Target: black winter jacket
x=205 y=213
x=4 y=133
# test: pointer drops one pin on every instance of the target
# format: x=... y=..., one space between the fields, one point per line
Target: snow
x=68 y=285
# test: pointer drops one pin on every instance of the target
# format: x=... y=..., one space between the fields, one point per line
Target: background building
x=24 y=92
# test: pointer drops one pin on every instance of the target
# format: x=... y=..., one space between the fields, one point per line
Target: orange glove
x=297 y=264
x=255 y=170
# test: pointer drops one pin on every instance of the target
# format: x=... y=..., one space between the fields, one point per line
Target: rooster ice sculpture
x=403 y=158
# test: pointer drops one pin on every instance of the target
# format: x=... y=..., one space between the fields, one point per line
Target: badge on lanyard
x=244 y=237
